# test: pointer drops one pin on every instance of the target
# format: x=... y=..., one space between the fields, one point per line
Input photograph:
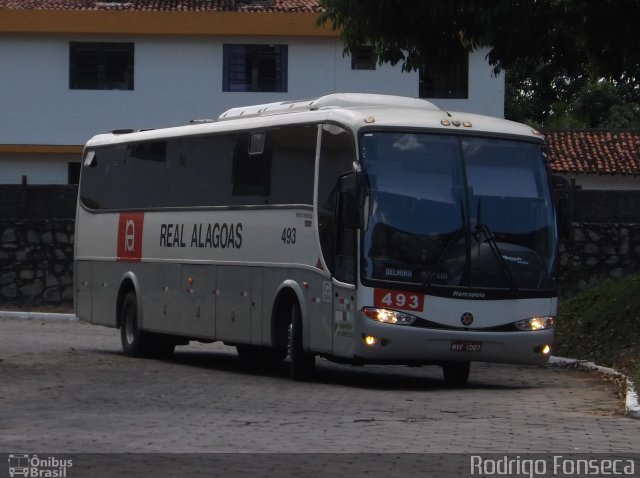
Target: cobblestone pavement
x=65 y=387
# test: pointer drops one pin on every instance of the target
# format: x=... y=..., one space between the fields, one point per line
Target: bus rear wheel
x=302 y=363
x=132 y=337
x=456 y=374
x=135 y=341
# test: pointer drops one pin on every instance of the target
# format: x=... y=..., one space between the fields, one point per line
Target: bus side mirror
x=563 y=192
x=350 y=207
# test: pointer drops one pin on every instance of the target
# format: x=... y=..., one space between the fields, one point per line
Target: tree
x=551 y=50
x=545 y=100
x=567 y=36
x=602 y=104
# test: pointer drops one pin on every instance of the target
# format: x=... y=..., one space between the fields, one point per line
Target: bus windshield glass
x=457 y=211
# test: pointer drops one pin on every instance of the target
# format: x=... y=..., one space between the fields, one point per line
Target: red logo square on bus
x=130 y=236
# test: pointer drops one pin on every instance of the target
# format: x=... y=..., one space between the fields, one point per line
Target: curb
x=631 y=406
x=13 y=314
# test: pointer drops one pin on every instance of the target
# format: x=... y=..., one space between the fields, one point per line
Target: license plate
x=466 y=346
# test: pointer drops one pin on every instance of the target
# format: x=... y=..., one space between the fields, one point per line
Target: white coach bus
x=360 y=228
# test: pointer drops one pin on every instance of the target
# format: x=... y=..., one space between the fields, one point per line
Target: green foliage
x=565 y=36
x=555 y=52
x=586 y=104
x=401 y=31
x=602 y=325
x=605 y=104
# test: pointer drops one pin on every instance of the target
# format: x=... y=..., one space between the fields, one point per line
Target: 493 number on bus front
x=392 y=299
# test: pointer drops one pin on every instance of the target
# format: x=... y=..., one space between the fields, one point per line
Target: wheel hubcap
x=130 y=326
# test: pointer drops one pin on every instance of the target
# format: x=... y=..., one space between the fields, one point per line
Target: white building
x=71 y=69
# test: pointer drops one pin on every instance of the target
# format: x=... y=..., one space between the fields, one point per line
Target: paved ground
x=67 y=388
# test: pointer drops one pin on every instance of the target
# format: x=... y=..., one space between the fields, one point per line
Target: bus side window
x=293 y=164
x=345 y=237
x=200 y=170
x=251 y=172
x=337 y=155
x=104 y=183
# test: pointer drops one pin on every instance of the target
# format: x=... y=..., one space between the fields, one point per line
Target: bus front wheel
x=456 y=374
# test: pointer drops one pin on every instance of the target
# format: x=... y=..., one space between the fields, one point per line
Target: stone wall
x=36 y=259
x=36 y=262
x=36 y=253
x=598 y=206
x=596 y=251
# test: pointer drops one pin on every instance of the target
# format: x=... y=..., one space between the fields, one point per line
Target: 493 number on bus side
x=289 y=235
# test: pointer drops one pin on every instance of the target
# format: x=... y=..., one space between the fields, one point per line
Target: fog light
x=370 y=340
x=542 y=349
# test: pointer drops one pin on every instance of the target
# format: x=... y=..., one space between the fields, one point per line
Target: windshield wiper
x=493 y=245
x=495 y=250
x=426 y=284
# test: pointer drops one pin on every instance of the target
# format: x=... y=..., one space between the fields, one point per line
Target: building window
x=100 y=66
x=362 y=58
x=255 y=68
x=445 y=77
x=73 y=173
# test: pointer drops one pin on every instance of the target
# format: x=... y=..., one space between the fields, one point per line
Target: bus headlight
x=388 y=316
x=536 y=323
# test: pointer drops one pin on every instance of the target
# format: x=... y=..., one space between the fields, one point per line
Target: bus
x=361 y=228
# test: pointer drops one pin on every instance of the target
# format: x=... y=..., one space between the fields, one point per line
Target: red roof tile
x=594 y=151
x=167 y=5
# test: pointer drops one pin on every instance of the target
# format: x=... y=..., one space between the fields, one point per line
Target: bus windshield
x=457 y=211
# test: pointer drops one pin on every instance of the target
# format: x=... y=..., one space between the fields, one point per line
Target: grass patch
x=602 y=325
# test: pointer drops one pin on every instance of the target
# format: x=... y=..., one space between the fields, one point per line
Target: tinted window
x=293 y=160
x=336 y=158
x=201 y=171
x=251 y=172
x=212 y=170
x=101 y=179
x=281 y=172
x=449 y=211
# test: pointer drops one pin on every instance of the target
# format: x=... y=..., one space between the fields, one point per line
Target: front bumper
x=414 y=345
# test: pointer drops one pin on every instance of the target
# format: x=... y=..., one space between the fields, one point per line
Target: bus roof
x=353 y=110
x=333 y=101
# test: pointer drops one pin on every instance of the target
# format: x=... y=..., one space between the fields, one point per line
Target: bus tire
x=135 y=342
x=302 y=363
x=456 y=374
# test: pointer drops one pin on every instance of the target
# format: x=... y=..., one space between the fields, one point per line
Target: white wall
x=39 y=170
x=178 y=79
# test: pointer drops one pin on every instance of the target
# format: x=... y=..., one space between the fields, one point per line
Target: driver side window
x=337 y=154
